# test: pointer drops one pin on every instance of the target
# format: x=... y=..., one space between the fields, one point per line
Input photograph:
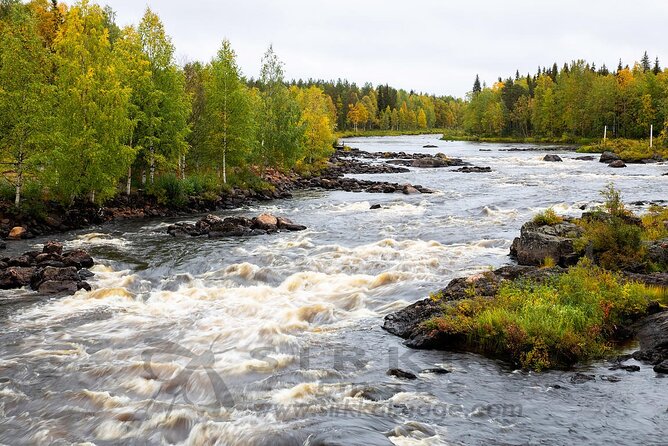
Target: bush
x=655 y=223
x=168 y=190
x=573 y=317
x=201 y=185
x=547 y=218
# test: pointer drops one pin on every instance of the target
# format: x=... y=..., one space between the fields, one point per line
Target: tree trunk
x=152 y=174
x=19 y=184
x=128 y=185
x=224 y=167
x=143 y=178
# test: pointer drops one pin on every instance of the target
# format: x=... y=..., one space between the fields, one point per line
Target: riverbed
x=277 y=339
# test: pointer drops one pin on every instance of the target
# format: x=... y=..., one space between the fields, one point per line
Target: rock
x=409 y=190
x=429 y=146
x=585 y=158
x=662 y=367
x=78 y=259
x=15 y=277
x=436 y=371
x=375 y=206
x=3 y=245
x=617 y=164
x=288 y=225
x=401 y=374
x=608 y=157
x=51 y=274
x=652 y=334
x=553 y=158
x=56 y=287
x=580 y=378
x=610 y=378
x=657 y=252
x=536 y=243
x=229 y=229
x=473 y=169
x=23 y=260
x=626 y=368
x=53 y=247
x=424 y=163
x=17 y=233
x=266 y=222
x=404 y=322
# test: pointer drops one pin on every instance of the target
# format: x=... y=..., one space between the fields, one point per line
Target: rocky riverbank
x=217 y=227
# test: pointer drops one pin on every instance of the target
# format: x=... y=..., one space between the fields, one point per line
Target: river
x=277 y=340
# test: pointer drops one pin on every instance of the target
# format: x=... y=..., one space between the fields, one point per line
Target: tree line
x=88 y=110
x=577 y=100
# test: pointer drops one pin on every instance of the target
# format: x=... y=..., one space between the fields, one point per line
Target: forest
x=90 y=110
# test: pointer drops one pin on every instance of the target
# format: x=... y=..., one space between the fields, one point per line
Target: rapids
x=276 y=340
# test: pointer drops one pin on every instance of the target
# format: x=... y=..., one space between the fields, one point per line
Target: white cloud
x=426 y=45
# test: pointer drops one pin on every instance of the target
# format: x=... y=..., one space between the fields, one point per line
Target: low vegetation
x=547 y=217
x=629 y=149
x=570 y=318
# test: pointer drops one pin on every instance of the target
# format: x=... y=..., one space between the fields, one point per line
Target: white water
x=288 y=325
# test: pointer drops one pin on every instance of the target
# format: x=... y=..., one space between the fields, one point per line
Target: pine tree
x=657 y=67
x=476 y=85
x=645 y=63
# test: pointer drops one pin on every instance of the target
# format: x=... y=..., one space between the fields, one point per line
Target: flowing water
x=276 y=340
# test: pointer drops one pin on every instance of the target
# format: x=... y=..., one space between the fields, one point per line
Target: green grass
x=547 y=217
x=628 y=149
x=538 y=326
x=459 y=135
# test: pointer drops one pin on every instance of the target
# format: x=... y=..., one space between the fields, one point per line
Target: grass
x=547 y=218
x=655 y=223
x=571 y=318
x=628 y=149
x=460 y=135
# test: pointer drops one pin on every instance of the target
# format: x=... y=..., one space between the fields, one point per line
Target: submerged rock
x=401 y=374
x=580 y=378
x=617 y=164
x=608 y=157
x=473 y=169
x=553 y=158
x=216 y=227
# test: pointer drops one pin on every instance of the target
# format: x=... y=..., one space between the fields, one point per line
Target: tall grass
x=568 y=319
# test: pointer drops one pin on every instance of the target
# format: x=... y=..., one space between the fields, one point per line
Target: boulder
x=23 y=260
x=585 y=158
x=51 y=274
x=375 y=207
x=608 y=157
x=53 y=247
x=55 y=287
x=266 y=222
x=652 y=334
x=17 y=233
x=617 y=164
x=657 y=252
x=473 y=169
x=78 y=259
x=662 y=367
x=430 y=146
x=401 y=374
x=288 y=225
x=536 y=243
x=15 y=277
x=409 y=190
x=553 y=158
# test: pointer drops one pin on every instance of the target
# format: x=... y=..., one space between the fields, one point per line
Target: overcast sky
x=434 y=46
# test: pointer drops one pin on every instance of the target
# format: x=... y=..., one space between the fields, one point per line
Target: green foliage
x=629 y=149
x=547 y=218
x=655 y=223
x=572 y=318
x=168 y=190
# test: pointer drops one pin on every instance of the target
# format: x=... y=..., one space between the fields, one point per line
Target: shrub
x=547 y=218
x=568 y=319
x=655 y=223
x=169 y=190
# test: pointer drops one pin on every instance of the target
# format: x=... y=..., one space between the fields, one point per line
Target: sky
x=429 y=46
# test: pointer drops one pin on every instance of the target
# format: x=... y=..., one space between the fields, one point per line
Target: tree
x=657 y=68
x=229 y=128
x=358 y=114
x=476 y=85
x=318 y=119
x=644 y=63
x=421 y=119
x=90 y=154
x=280 y=134
x=164 y=130
x=25 y=95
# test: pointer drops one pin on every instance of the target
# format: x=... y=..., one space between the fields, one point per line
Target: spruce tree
x=476 y=85
x=644 y=63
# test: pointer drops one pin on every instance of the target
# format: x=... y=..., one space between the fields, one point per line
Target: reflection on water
x=276 y=339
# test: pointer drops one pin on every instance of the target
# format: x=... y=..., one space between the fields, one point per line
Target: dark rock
x=3 y=245
x=608 y=157
x=375 y=206
x=53 y=247
x=401 y=374
x=552 y=158
x=405 y=322
x=617 y=164
x=409 y=190
x=610 y=378
x=41 y=258
x=56 y=287
x=436 y=371
x=473 y=169
x=662 y=367
x=78 y=259
x=652 y=334
x=536 y=243
x=580 y=378
x=23 y=260
x=626 y=368
x=657 y=252
x=289 y=225
x=51 y=274
x=85 y=274
x=429 y=146
x=14 y=277
x=585 y=158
